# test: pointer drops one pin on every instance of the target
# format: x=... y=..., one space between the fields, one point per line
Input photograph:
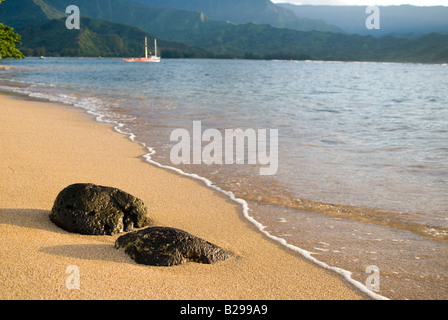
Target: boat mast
x=146 y=47
x=155 y=47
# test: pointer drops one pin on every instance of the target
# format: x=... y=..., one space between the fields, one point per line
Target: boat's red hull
x=142 y=60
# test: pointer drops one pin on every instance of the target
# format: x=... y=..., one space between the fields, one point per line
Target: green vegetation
x=50 y=12
x=267 y=42
x=95 y=38
x=8 y=41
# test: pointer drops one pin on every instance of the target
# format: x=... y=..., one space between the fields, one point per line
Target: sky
x=368 y=2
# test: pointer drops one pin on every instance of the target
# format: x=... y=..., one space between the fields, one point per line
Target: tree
x=8 y=41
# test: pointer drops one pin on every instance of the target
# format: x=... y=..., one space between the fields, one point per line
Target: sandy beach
x=45 y=147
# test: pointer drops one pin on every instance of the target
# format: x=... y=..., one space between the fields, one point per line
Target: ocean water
x=362 y=179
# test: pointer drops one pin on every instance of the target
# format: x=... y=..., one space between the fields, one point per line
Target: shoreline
x=259 y=269
x=245 y=59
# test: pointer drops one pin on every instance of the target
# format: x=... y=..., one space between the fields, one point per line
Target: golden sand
x=45 y=147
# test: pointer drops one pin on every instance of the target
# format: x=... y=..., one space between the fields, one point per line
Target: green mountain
x=96 y=38
x=117 y=27
x=18 y=13
x=167 y=23
x=245 y=11
x=43 y=32
x=267 y=42
x=252 y=40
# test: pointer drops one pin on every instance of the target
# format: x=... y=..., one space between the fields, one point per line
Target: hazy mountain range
x=402 y=20
x=204 y=28
x=245 y=11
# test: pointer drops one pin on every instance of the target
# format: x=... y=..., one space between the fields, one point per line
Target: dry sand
x=45 y=147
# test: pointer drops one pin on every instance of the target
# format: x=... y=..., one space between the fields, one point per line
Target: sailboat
x=150 y=58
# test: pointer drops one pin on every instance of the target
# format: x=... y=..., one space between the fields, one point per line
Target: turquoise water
x=362 y=172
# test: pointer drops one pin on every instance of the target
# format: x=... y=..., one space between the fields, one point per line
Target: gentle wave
x=366 y=215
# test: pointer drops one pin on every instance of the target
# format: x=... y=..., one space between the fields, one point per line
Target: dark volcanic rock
x=163 y=246
x=97 y=210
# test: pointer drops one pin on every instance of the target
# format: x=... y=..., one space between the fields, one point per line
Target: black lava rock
x=163 y=246
x=96 y=210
